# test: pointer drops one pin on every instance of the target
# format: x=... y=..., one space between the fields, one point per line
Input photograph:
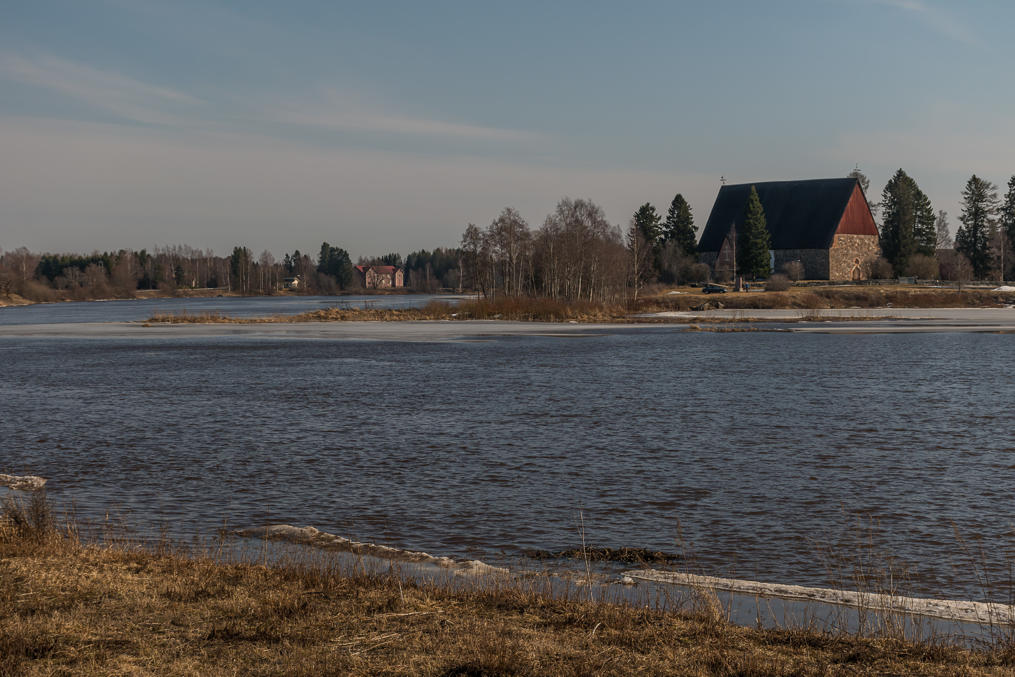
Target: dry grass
x=502 y=308
x=550 y=310
x=68 y=608
x=837 y=296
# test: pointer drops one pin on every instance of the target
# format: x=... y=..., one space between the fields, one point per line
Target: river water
x=781 y=457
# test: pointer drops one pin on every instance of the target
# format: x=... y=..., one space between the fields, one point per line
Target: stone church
x=825 y=224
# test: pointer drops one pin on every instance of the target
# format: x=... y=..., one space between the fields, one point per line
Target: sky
x=390 y=126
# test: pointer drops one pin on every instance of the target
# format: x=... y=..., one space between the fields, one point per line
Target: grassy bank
x=70 y=608
x=684 y=299
x=503 y=308
x=836 y=296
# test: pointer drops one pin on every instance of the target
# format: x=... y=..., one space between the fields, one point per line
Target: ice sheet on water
x=957 y=610
x=322 y=539
x=22 y=482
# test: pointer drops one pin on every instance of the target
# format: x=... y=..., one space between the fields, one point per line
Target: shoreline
x=16 y=301
x=961 y=611
x=895 y=320
x=107 y=608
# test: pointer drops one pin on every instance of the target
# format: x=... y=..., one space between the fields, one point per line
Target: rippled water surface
x=755 y=453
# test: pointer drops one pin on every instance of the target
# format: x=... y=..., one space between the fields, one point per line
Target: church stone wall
x=815 y=261
x=852 y=256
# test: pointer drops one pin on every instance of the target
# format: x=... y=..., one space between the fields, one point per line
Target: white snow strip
x=964 y=611
x=1005 y=287
x=322 y=539
x=22 y=482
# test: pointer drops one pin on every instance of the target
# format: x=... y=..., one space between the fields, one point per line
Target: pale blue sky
x=391 y=125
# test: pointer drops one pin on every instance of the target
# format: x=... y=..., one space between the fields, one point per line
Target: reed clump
x=97 y=609
x=185 y=317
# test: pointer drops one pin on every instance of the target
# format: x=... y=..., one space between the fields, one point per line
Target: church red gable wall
x=857 y=219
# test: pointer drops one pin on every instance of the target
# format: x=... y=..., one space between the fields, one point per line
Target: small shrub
x=922 y=266
x=698 y=273
x=778 y=282
x=954 y=266
x=794 y=270
x=881 y=269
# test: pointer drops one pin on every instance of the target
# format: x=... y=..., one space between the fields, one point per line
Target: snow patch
x=22 y=482
x=1005 y=287
x=965 y=611
x=322 y=539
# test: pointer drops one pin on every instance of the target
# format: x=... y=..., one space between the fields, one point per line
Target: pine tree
x=679 y=226
x=908 y=225
x=979 y=221
x=754 y=241
x=1008 y=220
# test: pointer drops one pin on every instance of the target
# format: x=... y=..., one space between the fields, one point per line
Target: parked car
x=713 y=289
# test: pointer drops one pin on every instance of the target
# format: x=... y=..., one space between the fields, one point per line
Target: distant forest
x=576 y=254
x=121 y=274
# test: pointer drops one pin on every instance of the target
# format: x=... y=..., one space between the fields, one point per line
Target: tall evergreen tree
x=646 y=220
x=908 y=226
x=239 y=269
x=979 y=222
x=335 y=261
x=1008 y=220
x=754 y=240
x=679 y=226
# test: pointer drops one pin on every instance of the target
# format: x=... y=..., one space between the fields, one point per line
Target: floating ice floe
x=322 y=539
x=965 y=611
x=22 y=482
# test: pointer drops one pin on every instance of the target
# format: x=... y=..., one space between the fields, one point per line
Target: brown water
x=756 y=454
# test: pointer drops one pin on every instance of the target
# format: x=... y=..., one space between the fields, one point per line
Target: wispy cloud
x=344 y=111
x=940 y=20
x=112 y=92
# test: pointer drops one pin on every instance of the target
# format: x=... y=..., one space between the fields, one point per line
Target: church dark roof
x=799 y=214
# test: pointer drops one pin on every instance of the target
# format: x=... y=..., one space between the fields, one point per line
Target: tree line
x=578 y=255
x=575 y=255
x=917 y=241
x=124 y=273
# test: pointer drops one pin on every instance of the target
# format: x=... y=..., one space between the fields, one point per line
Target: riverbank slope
x=66 y=607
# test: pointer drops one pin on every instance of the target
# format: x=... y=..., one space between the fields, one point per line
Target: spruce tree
x=754 y=241
x=979 y=214
x=679 y=226
x=908 y=222
x=646 y=220
x=1008 y=219
x=335 y=261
